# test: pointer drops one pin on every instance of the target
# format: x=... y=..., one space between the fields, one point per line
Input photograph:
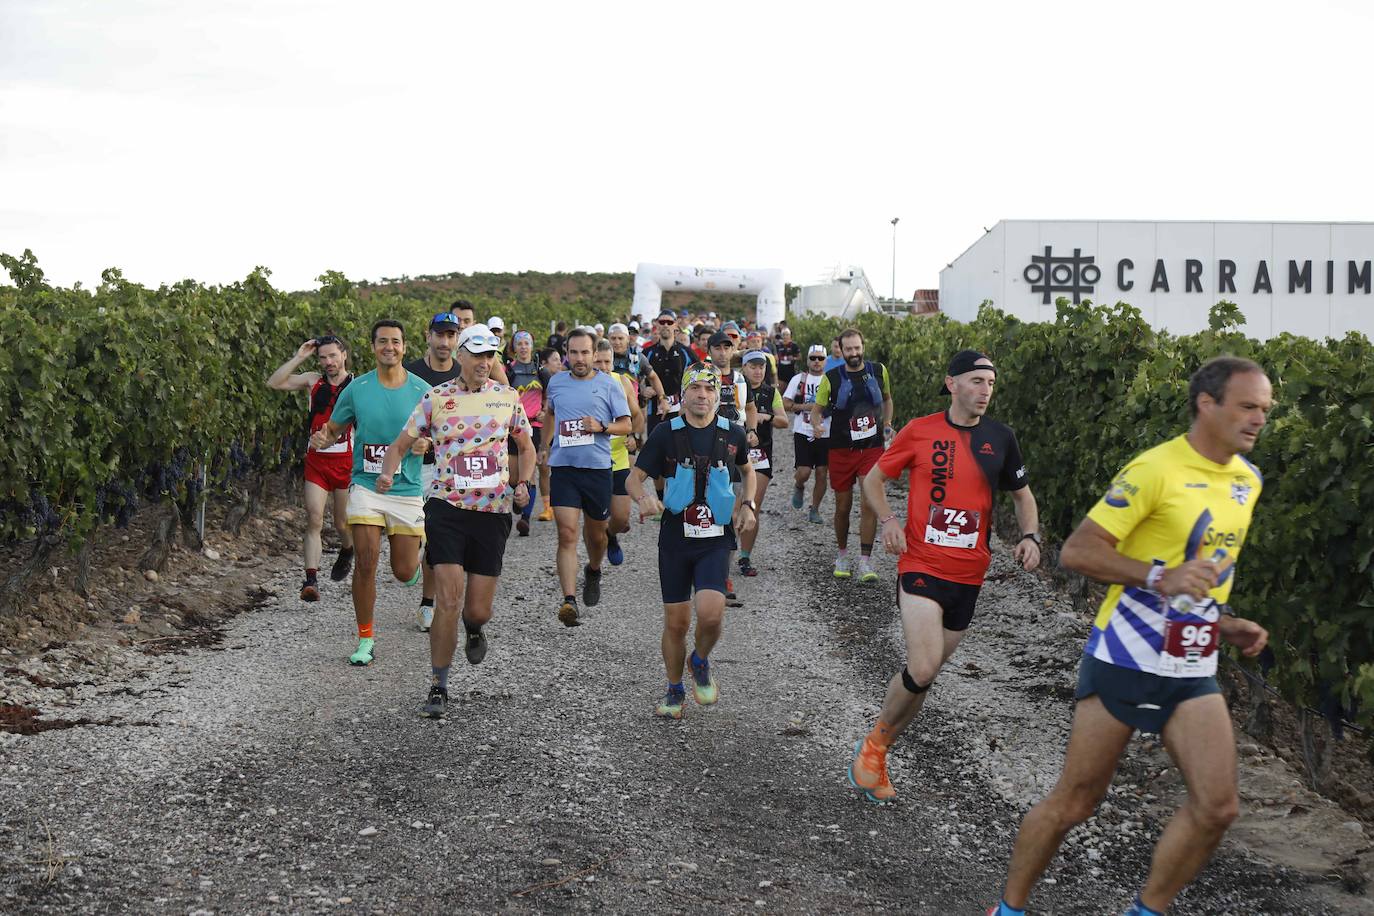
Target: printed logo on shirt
x=987 y=449
x=1240 y=492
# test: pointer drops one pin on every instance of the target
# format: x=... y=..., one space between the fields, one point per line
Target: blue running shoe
x=798 y=494
x=613 y=551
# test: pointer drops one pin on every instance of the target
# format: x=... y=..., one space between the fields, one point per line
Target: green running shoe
x=866 y=571
x=670 y=707
x=419 y=573
x=365 y=654
x=842 y=568
x=703 y=685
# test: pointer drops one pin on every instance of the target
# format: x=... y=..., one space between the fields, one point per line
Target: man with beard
x=669 y=360
x=471 y=420
x=585 y=408
x=378 y=405
x=857 y=397
x=329 y=472
x=436 y=367
x=701 y=456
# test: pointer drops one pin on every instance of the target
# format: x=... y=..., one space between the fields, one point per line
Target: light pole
x=894 y=258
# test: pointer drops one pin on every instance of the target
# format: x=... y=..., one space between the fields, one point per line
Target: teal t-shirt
x=378 y=415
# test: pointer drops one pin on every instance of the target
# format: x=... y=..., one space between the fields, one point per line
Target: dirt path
x=265 y=775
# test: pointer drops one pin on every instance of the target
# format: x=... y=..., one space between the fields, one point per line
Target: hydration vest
x=709 y=481
x=844 y=391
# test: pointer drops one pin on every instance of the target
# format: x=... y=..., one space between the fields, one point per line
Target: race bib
x=372 y=458
x=345 y=444
x=862 y=426
x=949 y=527
x=698 y=522
x=477 y=472
x=1190 y=642
x=571 y=434
x=758 y=459
x=674 y=402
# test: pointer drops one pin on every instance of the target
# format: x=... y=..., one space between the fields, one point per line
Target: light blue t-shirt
x=599 y=396
x=378 y=415
x=832 y=361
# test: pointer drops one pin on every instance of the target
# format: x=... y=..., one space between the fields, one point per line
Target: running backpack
x=709 y=481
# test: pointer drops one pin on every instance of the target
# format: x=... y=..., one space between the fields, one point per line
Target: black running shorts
x=811 y=453
x=956 y=599
x=474 y=540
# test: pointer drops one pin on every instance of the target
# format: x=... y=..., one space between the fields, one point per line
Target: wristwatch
x=1032 y=536
x=753 y=508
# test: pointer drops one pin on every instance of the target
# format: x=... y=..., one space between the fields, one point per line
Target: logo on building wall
x=1050 y=274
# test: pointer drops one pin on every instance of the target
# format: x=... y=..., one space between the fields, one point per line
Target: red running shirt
x=955 y=473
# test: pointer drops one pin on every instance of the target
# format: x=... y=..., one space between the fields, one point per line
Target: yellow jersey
x=1167 y=506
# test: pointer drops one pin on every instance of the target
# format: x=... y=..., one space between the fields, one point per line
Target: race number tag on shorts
x=758 y=459
x=862 y=426
x=372 y=458
x=698 y=522
x=476 y=472
x=1190 y=643
x=571 y=434
x=949 y=527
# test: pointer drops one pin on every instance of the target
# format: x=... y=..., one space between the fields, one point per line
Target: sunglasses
x=815 y=359
x=482 y=340
x=664 y=322
x=444 y=318
x=326 y=341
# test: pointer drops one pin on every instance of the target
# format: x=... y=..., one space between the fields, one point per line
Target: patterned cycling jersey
x=1167 y=506
x=955 y=472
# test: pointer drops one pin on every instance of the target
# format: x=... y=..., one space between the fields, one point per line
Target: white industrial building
x=1312 y=279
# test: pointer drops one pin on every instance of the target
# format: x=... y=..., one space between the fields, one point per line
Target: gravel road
x=263 y=774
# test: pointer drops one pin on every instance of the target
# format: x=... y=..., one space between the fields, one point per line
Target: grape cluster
x=39 y=513
x=239 y=462
x=118 y=498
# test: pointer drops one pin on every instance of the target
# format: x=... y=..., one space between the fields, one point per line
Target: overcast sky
x=177 y=139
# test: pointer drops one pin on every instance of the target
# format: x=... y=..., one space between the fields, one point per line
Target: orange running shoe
x=868 y=772
x=547 y=514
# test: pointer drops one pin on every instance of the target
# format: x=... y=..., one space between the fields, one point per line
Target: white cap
x=710 y=314
x=817 y=350
x=477 y=338
x=494 y=323
x=599 y=327
x=618 y=328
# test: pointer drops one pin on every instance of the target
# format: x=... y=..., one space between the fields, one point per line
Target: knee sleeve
x=910 y=683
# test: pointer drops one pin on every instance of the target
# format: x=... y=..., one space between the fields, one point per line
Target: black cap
x=719 y=338
x=965 y=361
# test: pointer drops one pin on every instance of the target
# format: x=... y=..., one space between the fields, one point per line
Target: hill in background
x=607 y=289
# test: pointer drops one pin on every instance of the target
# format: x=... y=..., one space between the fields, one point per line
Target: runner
x=1166 y=535
x=733 y=391
x=763 y=411
x=701 y=342
x=836 y=357
x=621 y=446
x=377 y=405
x=584 y=408
x=471 y=421
x=669 y=360
x=811 y=451
x=557 y=341
x=467 y=316
x=436 y=367
x=628 y=360
x=733 y=387
x=853 y=396
x=327 y=472
x=958 y=459
x=527 y=378
x=700 y=455
x=788 y=353
x=551 y=363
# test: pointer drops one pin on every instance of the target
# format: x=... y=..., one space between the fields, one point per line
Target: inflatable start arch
x=653 y=280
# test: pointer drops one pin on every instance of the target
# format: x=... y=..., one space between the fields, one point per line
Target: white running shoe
x=424 y=618
x=842 y=568
x=866 y=571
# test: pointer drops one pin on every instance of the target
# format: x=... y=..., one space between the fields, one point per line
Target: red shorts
x=329 y=472
x=849 y=464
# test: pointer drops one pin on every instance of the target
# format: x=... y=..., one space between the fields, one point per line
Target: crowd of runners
x=677 y=415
